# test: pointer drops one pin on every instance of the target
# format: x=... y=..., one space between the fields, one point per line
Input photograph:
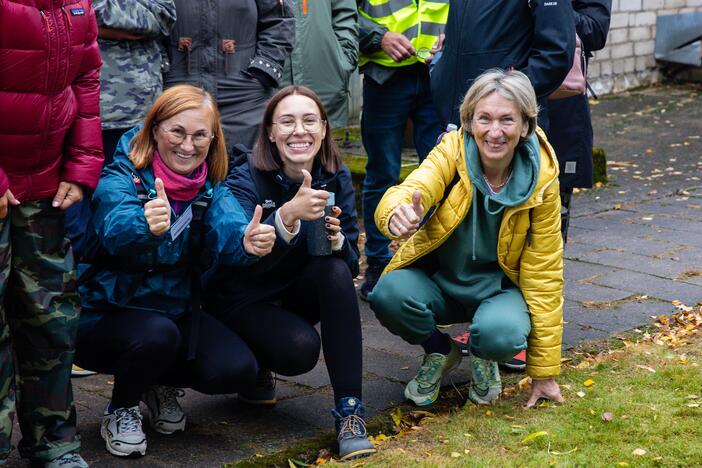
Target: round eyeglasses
x=177 y=136
x=311 y=124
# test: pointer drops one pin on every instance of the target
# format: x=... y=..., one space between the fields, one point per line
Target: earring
x=270 y=137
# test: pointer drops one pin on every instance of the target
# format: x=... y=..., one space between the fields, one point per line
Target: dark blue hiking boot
x=351 y=429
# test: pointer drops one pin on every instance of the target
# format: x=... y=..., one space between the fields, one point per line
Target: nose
x=187 y=143
x=299 y=128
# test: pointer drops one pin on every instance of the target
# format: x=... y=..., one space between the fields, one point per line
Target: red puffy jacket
x=49 y=97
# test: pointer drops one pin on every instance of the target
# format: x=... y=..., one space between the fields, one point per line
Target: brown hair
x=173 y=101
x=265 y=153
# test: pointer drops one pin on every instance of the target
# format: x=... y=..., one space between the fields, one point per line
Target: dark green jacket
x=325 y=52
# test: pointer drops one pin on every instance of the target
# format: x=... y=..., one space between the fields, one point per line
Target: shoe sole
x=136 y=453
x=259 y=403
x=358 y=454
x=179 y=425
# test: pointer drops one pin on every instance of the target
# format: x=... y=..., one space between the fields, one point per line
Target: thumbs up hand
x=307 y=204
x=158 y=211
x=258 y=238
x=405 y=218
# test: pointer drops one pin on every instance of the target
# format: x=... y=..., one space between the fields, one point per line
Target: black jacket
x=232 y=288
x=536 y=37
x=570 y=130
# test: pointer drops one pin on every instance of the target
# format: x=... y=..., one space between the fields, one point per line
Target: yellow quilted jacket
x=529 y=248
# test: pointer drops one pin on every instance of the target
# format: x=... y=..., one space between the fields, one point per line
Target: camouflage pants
x=39 y=310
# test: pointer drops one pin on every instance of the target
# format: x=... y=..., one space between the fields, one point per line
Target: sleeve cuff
x=270 y=68
x=282 y=231
x=339 y=243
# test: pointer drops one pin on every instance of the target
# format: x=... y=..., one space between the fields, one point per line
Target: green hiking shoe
x=485 y=385
x=423 y=390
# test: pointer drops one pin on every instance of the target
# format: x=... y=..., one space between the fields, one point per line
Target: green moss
x=599 y=163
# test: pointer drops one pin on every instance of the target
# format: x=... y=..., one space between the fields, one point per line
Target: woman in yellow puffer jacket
x=490 y=253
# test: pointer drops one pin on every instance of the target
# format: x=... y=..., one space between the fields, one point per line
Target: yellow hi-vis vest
x=420 y=21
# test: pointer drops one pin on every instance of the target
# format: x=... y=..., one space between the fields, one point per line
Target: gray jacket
x=325 y=53
x=236 y=50
x=130 y=79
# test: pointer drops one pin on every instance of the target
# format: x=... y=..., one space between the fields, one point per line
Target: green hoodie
x=468 y=269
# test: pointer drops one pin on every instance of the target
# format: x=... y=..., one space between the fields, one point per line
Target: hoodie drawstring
x=474 y=217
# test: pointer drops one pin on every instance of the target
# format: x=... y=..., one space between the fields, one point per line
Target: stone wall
x=627 y=60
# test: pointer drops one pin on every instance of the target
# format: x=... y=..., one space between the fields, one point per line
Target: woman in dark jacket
x=297 y=175
x=236 y=50
x=159 y=214
x=570 y=131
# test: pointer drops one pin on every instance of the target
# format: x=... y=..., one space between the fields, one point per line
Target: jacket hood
x=523 y=179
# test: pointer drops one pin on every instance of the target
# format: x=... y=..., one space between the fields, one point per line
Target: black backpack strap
x=195 y=256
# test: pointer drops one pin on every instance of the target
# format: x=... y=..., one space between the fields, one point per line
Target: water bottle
x=318 y=243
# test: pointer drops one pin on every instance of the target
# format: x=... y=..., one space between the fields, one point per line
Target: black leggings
x=147 y=348
x=283 y=336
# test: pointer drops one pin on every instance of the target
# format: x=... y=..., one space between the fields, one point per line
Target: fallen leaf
x=455 y=455
x=533 y=436
x=581 y=394
x=648 y=368
x=693 y=405
x=692 y=397
x=607 y=416
x=639 y=452
x=589 y=383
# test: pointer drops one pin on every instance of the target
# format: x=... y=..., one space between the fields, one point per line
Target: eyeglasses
x=177 y=136
x=310 y=123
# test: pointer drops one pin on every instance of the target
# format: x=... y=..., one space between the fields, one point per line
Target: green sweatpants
x=409 y=304
x=38 y=322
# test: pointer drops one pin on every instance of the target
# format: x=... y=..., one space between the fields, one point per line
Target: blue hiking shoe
x=351 y=429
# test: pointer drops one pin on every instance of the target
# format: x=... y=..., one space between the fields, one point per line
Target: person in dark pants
x=394 y=59
x=297 y=175
x=536 y=37
x=159 y=218
x=570 y=132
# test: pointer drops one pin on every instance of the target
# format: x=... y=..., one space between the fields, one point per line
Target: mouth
x=300 y=146
x=185 y=156
x=495 y=145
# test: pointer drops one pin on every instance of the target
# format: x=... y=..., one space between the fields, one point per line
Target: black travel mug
x=318 y=243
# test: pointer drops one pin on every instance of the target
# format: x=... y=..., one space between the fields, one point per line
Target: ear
x=324 y=130
x=271 y=137
x=525 y=129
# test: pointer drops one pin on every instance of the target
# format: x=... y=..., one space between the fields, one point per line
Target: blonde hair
x=171 y=102
x=512 y=85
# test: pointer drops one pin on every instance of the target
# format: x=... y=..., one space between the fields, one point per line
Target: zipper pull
x=46 y=20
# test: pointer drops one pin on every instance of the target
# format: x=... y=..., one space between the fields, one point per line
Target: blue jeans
x=386 y=109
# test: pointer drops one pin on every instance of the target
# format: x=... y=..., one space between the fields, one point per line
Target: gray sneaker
x=165 y=414
x=67 y=460
x=122 y=432
x=485 y=385
x=423 y=390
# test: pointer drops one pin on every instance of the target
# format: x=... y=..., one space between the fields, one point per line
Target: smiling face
x=497 y=125
x=297 y=131
x=184 y=140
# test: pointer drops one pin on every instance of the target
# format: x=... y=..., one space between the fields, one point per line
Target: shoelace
x=167 y=396
x=128 y=420
x=428 y=368
x=352 y=426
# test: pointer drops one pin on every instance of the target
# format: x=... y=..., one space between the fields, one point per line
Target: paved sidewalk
x=634 y=246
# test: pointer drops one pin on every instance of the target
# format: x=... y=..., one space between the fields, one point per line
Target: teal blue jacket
x=124 y=260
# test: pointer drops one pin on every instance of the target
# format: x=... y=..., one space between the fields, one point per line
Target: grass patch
x=636 y=406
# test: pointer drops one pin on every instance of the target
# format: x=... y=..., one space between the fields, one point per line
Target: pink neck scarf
x=179 y=187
